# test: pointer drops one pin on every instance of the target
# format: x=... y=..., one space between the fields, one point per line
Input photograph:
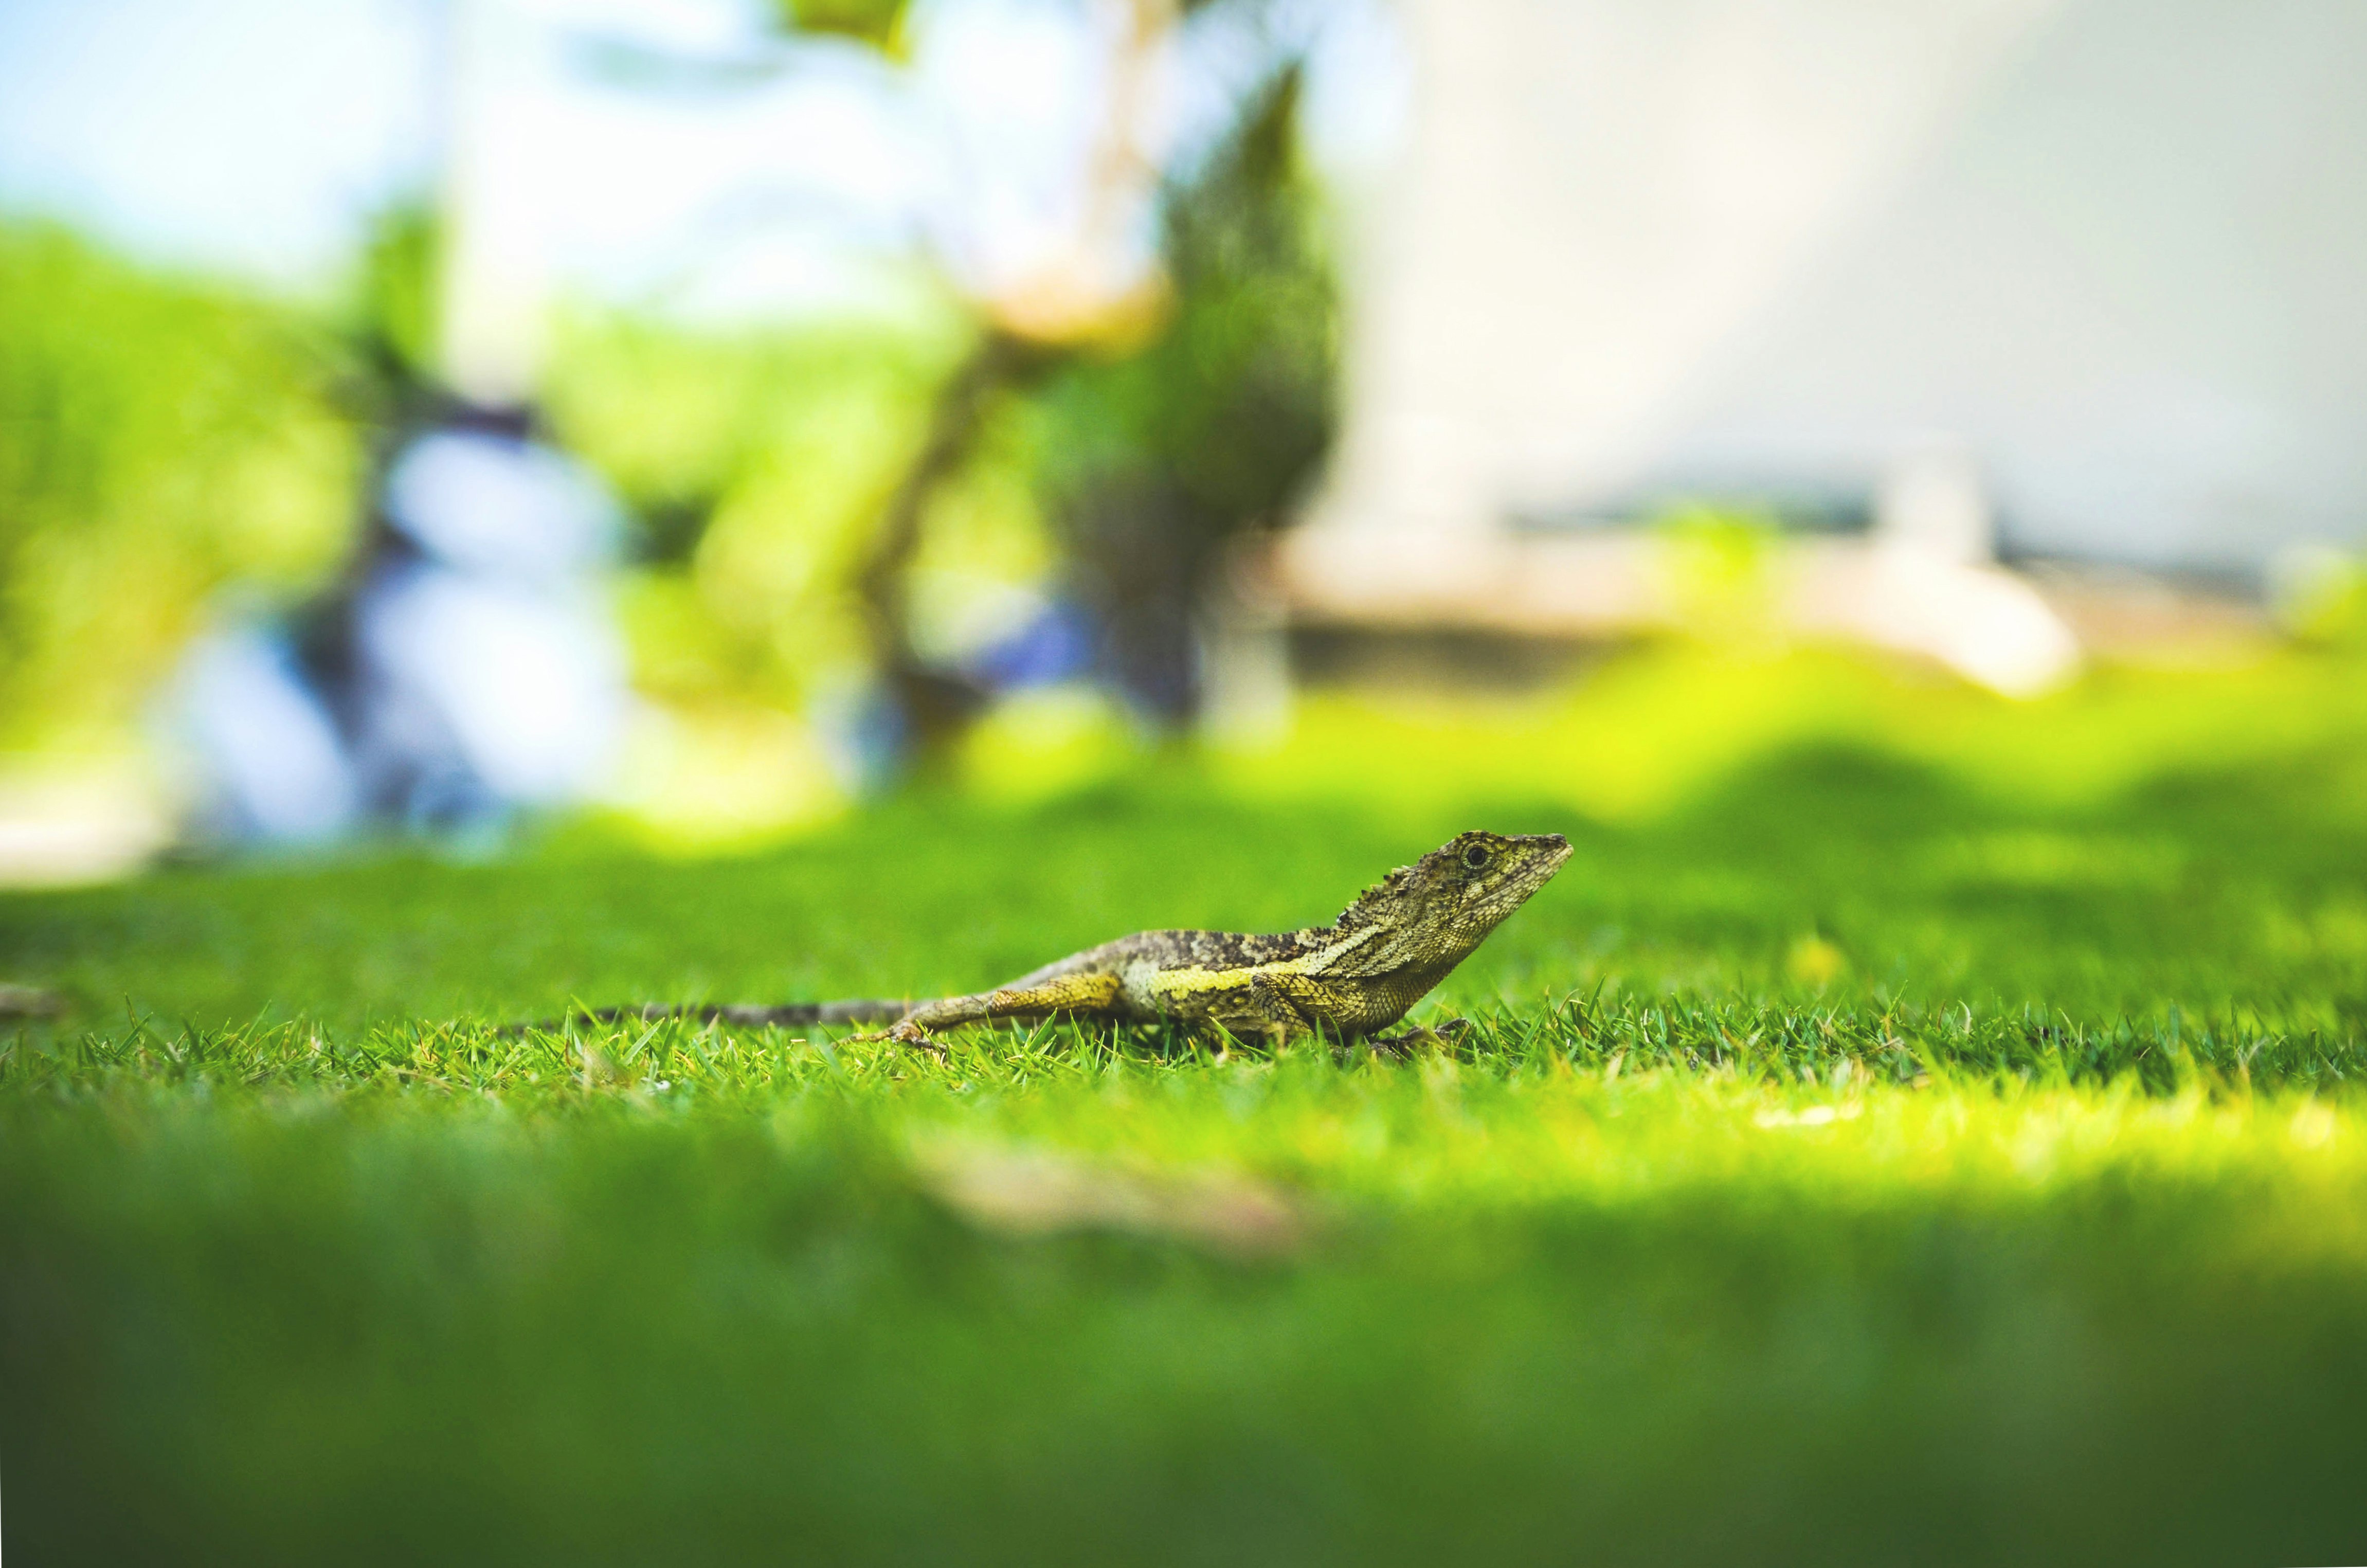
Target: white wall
x=2117 y=248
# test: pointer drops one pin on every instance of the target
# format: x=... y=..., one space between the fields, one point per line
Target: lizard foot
x=1445 y=1032
x=902 y=1032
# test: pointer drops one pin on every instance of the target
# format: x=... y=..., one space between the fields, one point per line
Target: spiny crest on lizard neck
x=1459 y=891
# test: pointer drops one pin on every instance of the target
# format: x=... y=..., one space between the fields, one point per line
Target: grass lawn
x=1932 y=1133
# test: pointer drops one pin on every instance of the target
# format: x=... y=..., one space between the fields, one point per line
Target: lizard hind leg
x=1074 y=995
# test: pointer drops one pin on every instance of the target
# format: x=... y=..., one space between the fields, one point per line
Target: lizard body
x=1354 y=977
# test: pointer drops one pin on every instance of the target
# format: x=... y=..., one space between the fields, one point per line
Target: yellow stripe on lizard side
x=1176 y=984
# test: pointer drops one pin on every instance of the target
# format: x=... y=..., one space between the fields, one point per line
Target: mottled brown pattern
x=1175 y=949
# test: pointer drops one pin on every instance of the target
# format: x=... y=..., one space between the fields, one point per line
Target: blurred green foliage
x=1643 y=735
x=1234 y=402
x=160 y=441
x=761 y=464
x=170 y=450
x=756 y=465
x=388 y=319
x=880 y=23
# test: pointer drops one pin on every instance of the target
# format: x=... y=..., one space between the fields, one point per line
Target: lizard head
x=1464 y=889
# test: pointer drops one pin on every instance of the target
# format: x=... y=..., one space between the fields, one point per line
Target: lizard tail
x=744 y=1015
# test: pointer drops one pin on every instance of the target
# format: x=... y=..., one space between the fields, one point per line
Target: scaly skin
x=1350 y=979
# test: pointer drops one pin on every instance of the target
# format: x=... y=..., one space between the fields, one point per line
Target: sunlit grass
x=1933 y=1136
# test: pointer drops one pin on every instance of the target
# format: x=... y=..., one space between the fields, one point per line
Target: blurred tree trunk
x=1146 y=556
x=1080 y=296
x=934 y=704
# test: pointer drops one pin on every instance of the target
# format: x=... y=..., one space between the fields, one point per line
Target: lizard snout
x=1555 y=847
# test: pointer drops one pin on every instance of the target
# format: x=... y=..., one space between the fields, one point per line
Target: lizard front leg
x=1255 y=1006
x=1070 y=994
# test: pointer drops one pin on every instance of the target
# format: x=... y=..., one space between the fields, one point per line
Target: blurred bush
x=756 y=465
x=161 y=441
x=173 y=451
x=829 y=505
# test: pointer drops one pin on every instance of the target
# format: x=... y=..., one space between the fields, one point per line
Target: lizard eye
x=1476 y=858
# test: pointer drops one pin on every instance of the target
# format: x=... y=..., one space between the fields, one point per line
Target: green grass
x=1863 y=1159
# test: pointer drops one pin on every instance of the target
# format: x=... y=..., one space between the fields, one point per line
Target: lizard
x=1350 y=979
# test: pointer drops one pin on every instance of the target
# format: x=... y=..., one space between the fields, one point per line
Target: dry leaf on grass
x=1037 y=1192
x=30 y=1001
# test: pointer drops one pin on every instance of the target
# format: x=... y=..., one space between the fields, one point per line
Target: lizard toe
x=911 y=1034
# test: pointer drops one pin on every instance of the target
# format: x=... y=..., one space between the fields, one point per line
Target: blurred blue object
x=469 y=670
x=485 y=672
x=1057 y=644
x=501 y=506
x=274 y=766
